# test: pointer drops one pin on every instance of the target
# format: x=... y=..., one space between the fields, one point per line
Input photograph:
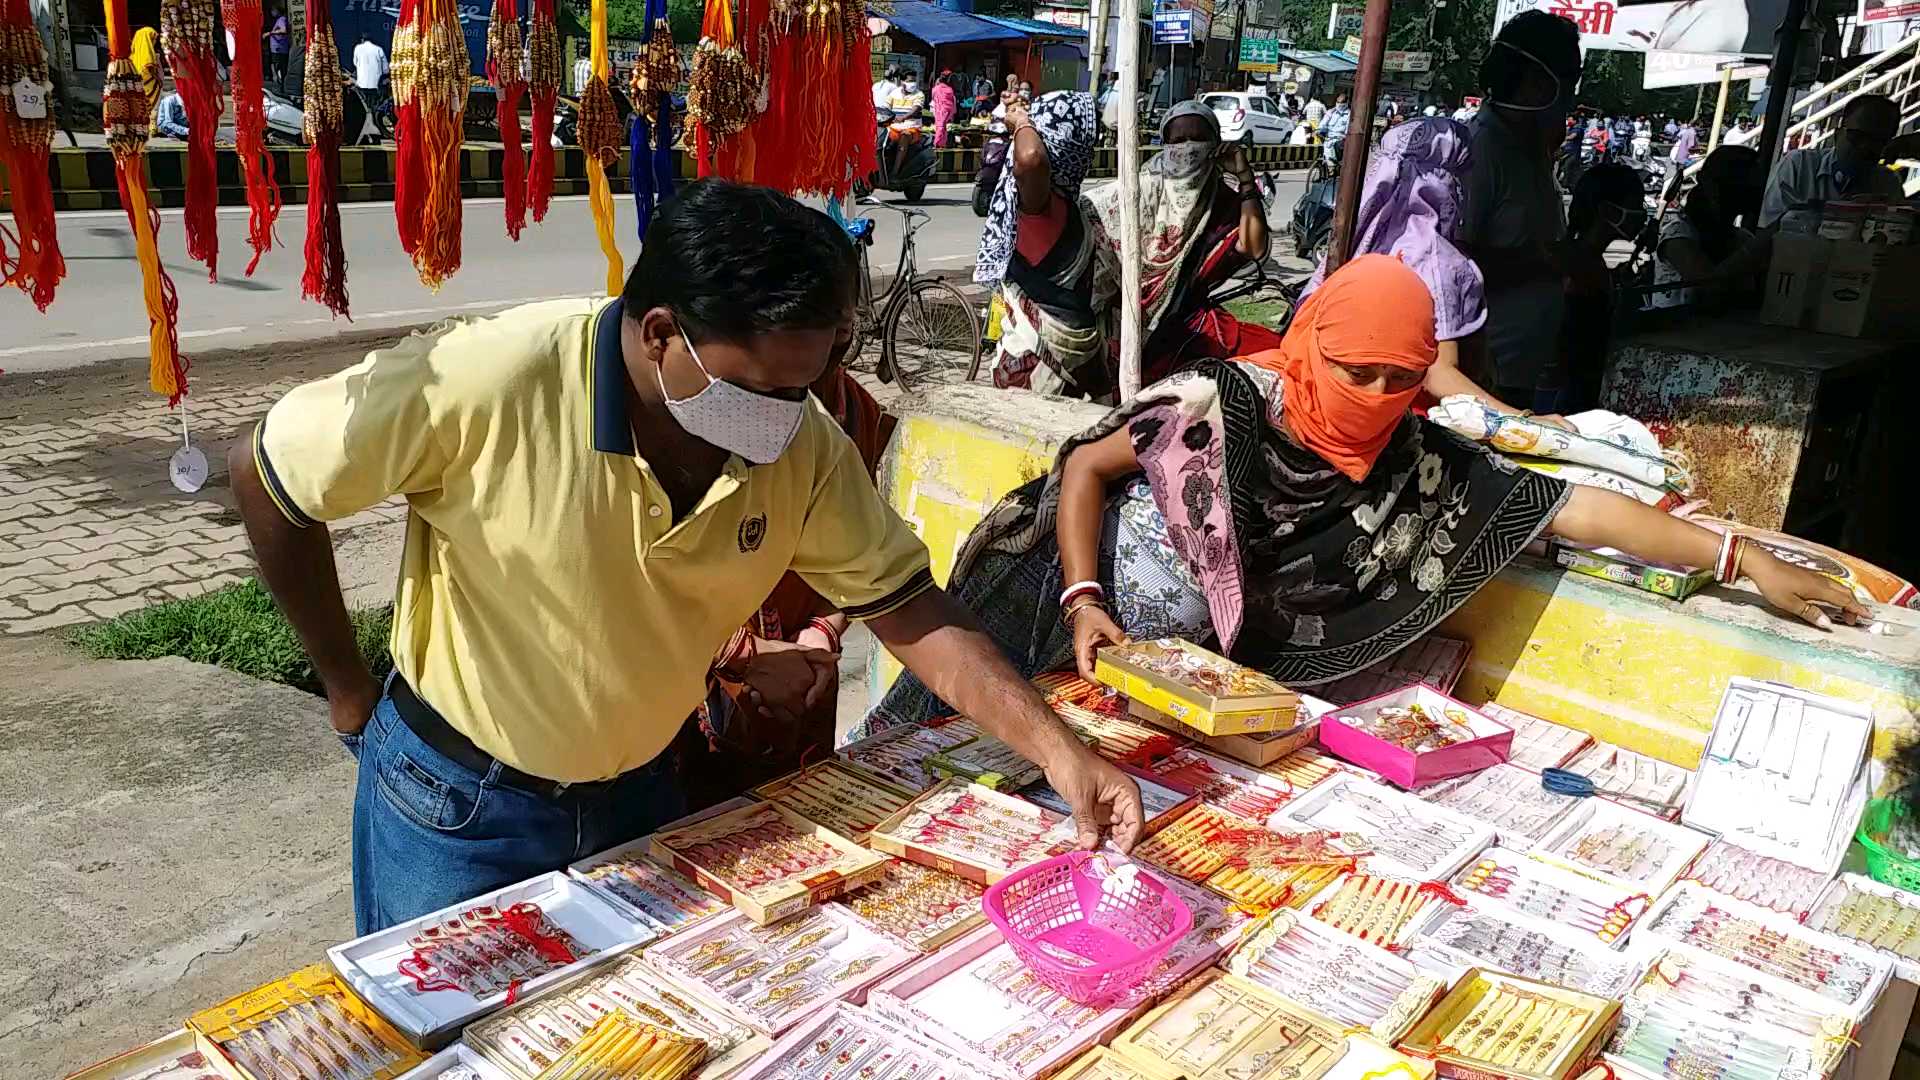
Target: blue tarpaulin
x=938 y=26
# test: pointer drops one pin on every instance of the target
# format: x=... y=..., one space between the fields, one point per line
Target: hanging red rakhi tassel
x=125 y=116
x=250 y=125
x=600 y=141
x=186 y=35
x=650 y=128
x=720 y=93
x=543 y=91
x=325 y=278
x=26 y=138
x=857 y=150
x=430 y=95
x=504 y=56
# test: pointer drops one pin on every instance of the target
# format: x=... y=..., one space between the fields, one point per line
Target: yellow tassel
x=600 y=195
x=599 y=147
x=163 y=372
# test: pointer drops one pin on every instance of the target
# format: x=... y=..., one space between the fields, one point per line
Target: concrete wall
x=1630 y=667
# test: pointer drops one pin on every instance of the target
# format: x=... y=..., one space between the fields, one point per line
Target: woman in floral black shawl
x=1287 y=509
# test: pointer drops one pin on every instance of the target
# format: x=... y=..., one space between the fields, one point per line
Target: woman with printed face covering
x=1514 y=221
x=1288 y=508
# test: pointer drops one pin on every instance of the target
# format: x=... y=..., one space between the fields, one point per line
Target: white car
x=1250 y=117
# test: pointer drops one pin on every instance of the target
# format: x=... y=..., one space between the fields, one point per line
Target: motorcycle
x=1313 y=219
x=286 y=124
x=993 y=158
x=909 y=177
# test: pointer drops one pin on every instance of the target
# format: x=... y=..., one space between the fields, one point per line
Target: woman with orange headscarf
x=1288 y=508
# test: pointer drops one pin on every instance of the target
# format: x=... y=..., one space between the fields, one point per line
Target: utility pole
x=1129 y=64
x=1353 y=156
x=1096 y=47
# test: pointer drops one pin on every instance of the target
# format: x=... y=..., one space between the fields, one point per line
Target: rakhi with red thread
x=325 y=277
x=36 y=265
x=650 y=129
x=186 y=36
x=124 y=115
x=430 y=94
x=250 y=125
x=808 y=141
x=505 y=52
x=543 y=90
x=600 y=141
x=720 y=93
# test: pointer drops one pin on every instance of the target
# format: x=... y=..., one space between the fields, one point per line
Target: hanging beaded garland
x=186 y=36
x=325 y=277
x=430 y=67
x=543 y=90
x=506 y=56
x=36 y=266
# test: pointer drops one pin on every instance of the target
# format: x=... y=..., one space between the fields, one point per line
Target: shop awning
x=1035 y=27
x=936 y=25
x=1329 y=63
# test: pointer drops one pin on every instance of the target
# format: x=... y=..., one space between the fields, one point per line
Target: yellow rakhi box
x=306 y=1014
x=1203 y=690
x=1493 y=1025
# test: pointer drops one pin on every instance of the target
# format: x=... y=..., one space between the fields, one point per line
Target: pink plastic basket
x=1088 y=924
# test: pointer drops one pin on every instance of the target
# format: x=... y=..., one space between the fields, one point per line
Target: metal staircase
x=1813 y=119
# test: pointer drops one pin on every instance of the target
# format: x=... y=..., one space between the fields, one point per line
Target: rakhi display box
x=1159 y=803
x=454 y=1059
x=898 y=755
x=663 y=898
x=177 y=1050
x=706 y=852
x=1483 y=741
x=230 y=1030
x=969 y=830
x=1453 y=1034
x=829 y=793
x=1201 y=689
x=849 y=1041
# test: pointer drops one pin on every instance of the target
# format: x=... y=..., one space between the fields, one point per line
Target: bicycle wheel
x=932 y=335
x=865 y=323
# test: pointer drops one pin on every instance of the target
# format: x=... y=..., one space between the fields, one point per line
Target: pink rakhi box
x=1489 y=744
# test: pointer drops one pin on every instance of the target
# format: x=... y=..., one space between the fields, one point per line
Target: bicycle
x=927 y=328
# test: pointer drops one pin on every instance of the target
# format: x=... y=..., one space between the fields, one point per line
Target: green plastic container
x=1885 y=865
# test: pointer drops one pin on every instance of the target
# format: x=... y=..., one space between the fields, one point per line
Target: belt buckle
x=560 y=788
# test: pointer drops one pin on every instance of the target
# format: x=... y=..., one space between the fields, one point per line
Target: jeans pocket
x=429 y=791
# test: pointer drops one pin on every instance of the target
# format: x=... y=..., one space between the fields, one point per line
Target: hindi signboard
x=1403 y=60
x=1260 y=49
x=1344 y=19
x=1697 y=26
x=1886 y=11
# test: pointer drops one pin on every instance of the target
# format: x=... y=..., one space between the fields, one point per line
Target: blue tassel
x=640 y=168
x=663 y=152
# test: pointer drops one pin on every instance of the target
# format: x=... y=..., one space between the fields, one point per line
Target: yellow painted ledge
x=1630 y=667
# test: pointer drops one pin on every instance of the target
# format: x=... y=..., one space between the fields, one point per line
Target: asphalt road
x=98 y=318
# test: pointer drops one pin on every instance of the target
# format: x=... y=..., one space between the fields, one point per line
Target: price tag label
x=30 y=99
x=188 y=469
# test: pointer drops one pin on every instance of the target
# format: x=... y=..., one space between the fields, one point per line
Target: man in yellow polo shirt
x=600 y=493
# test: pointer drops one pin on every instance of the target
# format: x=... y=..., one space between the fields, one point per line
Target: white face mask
x=1185 y=160
x=756 y=426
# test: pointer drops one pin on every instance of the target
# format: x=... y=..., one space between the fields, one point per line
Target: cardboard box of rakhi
x=171 y=1057
x=669 y=901
x=1160 y=803
x=1222 y=1027
x=1492 y=1025
x=1869 y=290
x=1203 y=690
x=1662 y=1033
x=989 y=762
x=830 y=794
x=1793 y=279
x=898 y=755
x=768 y=861
x=973 y=832
x=1672 y=582
x=311 y=1006
x=433 y=975
x=847 y=1041
x=1256 y=749
x=1636 y=851
x=1415 y=736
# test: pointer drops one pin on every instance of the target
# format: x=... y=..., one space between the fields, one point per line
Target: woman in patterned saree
x=1288 y=509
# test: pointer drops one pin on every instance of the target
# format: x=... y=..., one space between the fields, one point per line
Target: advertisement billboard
x=1738 y=27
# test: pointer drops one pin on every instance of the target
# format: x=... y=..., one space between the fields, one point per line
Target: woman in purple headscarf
x=1410 y=207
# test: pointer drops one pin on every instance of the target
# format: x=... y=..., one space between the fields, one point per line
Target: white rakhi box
x=1635 y=850
x=371 y=966
x=626 y=877
x=1409 y=838
x=1455 y=940
x=1784 y=773
x=457 y=1056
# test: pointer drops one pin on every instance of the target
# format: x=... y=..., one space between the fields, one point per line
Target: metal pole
x=1129 y=64
x=1096 y=47
x=1786 y=53
x=1720 y=109
x=1353 y=157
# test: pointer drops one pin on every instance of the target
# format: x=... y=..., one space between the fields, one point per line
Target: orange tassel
x=243 y=20
x=37 y=265
x=124 y=110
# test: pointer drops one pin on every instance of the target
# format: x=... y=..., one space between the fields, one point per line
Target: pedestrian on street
x=369 y=71
x=600 y=493
x=279 y=46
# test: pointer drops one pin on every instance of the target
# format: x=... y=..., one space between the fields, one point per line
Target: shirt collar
x=612 y=428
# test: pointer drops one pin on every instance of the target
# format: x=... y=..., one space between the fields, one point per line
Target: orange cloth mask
x=1374 y=310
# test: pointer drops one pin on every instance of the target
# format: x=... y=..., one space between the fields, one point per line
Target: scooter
x=911 y=177
x=286 y=124
x=993 y=158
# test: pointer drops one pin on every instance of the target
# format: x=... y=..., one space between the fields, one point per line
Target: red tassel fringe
x=325 y=279
x=199 y=86
x=513 y=163
x=243 y=18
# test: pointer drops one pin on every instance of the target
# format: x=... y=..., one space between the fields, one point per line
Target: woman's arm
x=1445 y=378
x=1032 y=172
x=1598 y=518
x=1254 y=236
x=1083 y=499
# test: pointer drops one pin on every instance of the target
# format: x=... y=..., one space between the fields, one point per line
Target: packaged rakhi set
x=1241 y=790
x=1376 y=909
x=432 y=975
x=1758 y=879
x=767 y=861
x=898 y=755
x=919 y=905
x=1114 y=736
x=306 y=1024
x=171 y=1057
x=1247 y=863
x=1344 y=979
x=986 y=761
x=1101 y=1063
x=527 y=1038
x=1771 y=948
x=832 y=795
x=1509 y=881
x=1431 y=660
x=1415 y=736
x=1878 y=916
x=1507 y=797
x=975 y=832
x=1691 y=1017
x=1501 y=1025
x=1538 y=744
x=1203 y=690
x=845 y=1042
x=772 y=976
x=1784 y=773
x=1222 y=1027
x=633 y=883
x=1455 y=940
x=619 y=1047
x=457 y=1062
x=1408 y=837
x=1636 y=851
x=1159 y=803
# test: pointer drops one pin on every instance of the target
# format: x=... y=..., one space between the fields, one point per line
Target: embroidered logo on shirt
x=752 y=531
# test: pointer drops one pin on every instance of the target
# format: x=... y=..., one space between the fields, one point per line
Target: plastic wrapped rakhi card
x=898 y=755
x=919 y=905
x=1508 y=880
x=1636 y=851
x=657 y=895
x=768 y=861
x=975 y=832
x=1408 y=837
x=1455 y=940
x=847 y=1042
x=1759 y=879
x=834 y=796
x=1303 y=960
x=1241 y=790
x=1689 y=1017
x=1507 y=797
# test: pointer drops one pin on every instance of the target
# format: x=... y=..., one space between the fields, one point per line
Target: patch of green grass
x=1266 y=311
x=236 y=627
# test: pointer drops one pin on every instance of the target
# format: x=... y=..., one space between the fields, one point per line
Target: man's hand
x=349 y=707
x=790 y=678
x=1103 y=798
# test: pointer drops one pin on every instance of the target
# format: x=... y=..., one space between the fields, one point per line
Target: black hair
x=1871 y=101
x=1610 y=182
x=1551 y=39
x=733 y=261
x=1715 y=201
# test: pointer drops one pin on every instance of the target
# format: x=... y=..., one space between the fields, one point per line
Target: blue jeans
x=428 y=832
